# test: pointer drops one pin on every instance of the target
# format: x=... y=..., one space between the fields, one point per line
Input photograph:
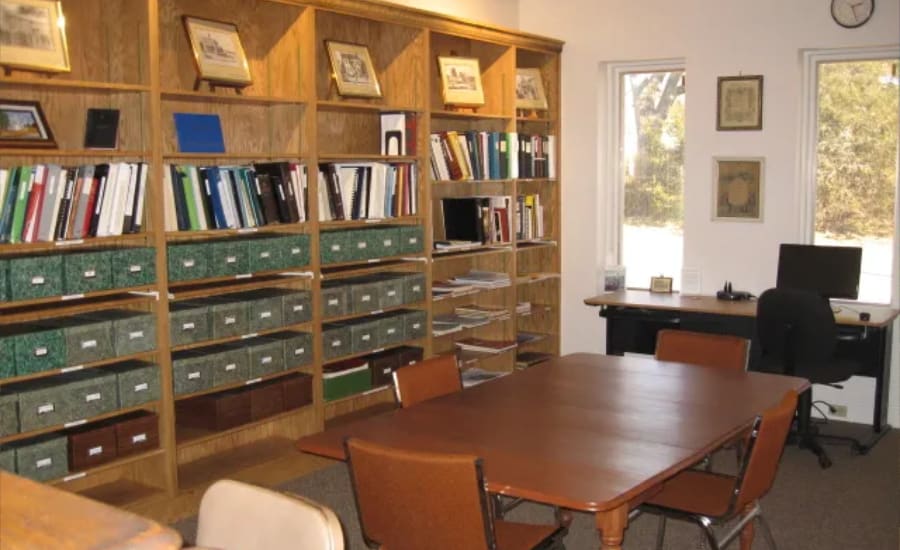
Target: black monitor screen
x=832 y=271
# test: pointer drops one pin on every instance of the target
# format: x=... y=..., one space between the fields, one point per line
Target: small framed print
x=22 y=124
x=661 y=284
x=738 y=193
x=354 y=72
x=33 y=36
x=218 y=54
x=739 y=103
x=461 y=81
x=530 y=89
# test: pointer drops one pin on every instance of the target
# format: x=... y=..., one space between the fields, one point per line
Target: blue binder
x=199 y=133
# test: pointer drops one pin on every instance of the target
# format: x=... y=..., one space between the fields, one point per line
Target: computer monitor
x=832 y=271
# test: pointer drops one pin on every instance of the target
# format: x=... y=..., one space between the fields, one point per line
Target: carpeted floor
x=853 y=505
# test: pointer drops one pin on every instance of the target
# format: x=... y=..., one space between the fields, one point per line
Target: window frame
x=613 y=193
x=809 y=140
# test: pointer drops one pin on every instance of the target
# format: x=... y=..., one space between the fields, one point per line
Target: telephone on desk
x=727 y=293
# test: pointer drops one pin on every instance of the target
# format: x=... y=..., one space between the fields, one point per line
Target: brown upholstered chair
x=239 y=516
x=426 y=379
x=699 y=348
x=710 y=498
x=409 y=500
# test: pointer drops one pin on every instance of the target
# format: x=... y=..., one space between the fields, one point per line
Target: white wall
x=716 y=38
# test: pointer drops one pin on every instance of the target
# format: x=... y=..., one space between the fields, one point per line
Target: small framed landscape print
x=33 y=36
x=738 y=193
x=353 y=70
x=739 y=103
x=530 y=89
x=661 y=284
x=22 y=124
x=218 y=53
x=461 y=81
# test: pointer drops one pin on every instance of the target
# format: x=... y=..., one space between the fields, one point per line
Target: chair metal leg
x=706 y=524
x=767 y=532
x=660 y=532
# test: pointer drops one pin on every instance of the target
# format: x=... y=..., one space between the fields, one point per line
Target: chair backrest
x=426 y=379
x=797 y=333
x=699 y=348
x=763 y=453
x=408 y=500
x=239 y=516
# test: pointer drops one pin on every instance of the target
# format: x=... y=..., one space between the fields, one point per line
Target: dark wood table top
x=637 y=298
x=584 y=431
x=35 y=515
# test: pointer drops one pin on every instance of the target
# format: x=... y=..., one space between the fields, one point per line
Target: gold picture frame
x=353 y=70
x=23 y=124
x=530 y=89
x=218 y=53
x=33 y=36
x=461 y=81
x=661 y=284
x=738 y=188
x=739 y=103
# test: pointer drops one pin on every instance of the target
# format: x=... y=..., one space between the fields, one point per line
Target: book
x=473 y=376
x=199 y=133
x=526 y=359
x=485 y=345
x=101 y=131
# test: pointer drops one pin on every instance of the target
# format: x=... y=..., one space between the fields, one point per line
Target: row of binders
x=529 y=218
x=200 y=198
x=367 y=191
x=49 y=202
x=479 y=155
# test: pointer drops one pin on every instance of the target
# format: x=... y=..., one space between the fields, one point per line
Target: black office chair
x=798 y=336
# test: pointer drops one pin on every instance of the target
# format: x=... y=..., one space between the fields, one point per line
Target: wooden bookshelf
x=137 y=59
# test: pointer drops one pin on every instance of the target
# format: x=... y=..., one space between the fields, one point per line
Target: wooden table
x=587 y=432
x=35 y=515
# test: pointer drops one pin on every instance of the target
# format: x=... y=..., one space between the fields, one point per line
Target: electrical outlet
x=840 y=411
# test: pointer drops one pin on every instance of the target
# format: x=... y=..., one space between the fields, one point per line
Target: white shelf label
x=73 y=477
x=71 y=369
x=75 y=423
x=252 y=381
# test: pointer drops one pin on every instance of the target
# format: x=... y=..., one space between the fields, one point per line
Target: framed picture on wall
x=461 y=81
x=218 y=54
x=739 y=103
x=738 y=188
x=353 y=70
x=33 y=36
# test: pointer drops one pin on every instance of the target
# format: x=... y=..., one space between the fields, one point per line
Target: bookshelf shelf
x=415 y=342
x=146 y=356
x=338 y=318
x=229 y=97
x=136 y=58
x=72 y=84
x=91 y=420
x=76 y=476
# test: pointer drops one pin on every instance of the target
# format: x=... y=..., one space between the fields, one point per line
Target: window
x=855 y=152
x=649 y=102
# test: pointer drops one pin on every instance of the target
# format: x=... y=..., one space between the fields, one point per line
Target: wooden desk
x=35 y=515
x=587 y=432
x=634 y=317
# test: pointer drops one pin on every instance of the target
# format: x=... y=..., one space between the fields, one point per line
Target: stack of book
x=483 y=279
x=477 y=219
x=526 y=359
x=485 y=345
x=446 y=322
x=198 y=198
x=525 y=337
x=480 y=155
x=523 y=308
x=474 y=376
x=529 y=218
x=367 y=191
x=450 y=289
x=48 y=202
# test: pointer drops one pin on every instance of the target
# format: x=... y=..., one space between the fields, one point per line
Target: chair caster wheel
x=824 y=462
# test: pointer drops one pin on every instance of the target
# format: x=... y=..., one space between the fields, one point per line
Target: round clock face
x=852 y=13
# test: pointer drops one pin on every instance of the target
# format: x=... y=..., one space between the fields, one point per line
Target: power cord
x=831 y=409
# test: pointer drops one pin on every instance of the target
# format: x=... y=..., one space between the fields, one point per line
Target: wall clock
x=852 y=13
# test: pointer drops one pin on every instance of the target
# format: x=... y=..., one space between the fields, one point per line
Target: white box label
x=417 y=325
x=299 y=351
x=92 y=397
x=391 y=330
x=37 y=280
x=298 y=308
x=333 y=302
x=187 y=326
x=89 y=344
x=264 y=255
x=366 y=298
x=135 y=268
x=366 y=337
x=188 y=263
x=94 y=451
x=297 y=250
x=417 y=288
x=90 y=274
x=141 y=387
x=231 y=259
x=230 y=320
x=265 y=314
x=334 y=248
x=266 y=360
x=361 y=245
x=43 y=463
x=336 y=343
x=392 y=293
x=388 y=242
x=135 y=334
x=44 y=409
x=230 y=367
x=40 y=352
x=193 y=375
x=139 y=438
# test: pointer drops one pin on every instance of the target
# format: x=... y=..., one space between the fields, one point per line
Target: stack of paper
x=484 y=279
x=485 y=345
